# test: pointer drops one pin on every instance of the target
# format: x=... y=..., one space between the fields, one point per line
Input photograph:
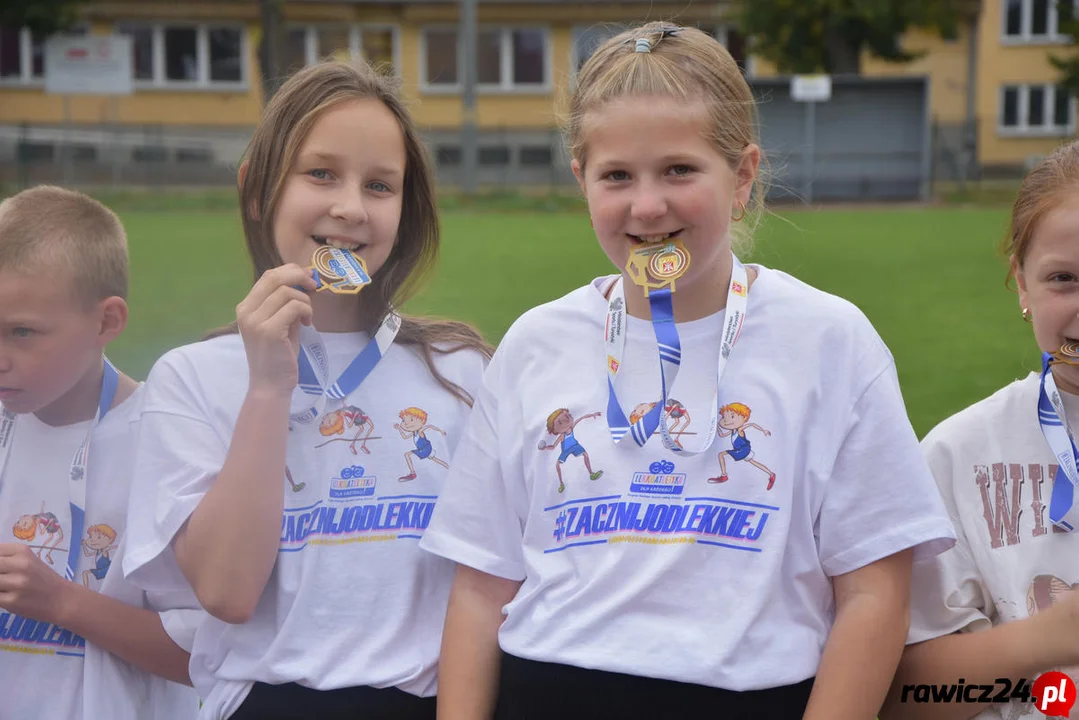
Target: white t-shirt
x=995 y=472
x=352 y=600
x=46 y=671
x=650 y=569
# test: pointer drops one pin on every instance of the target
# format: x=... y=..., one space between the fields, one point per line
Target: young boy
x=76 y=640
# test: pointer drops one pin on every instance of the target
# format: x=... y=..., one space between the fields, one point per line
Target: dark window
x=448 y=156
x=1039 y=17
x=36 y=152
x=194 y=155
x=181 y=54
x=10 y=53
x=150 y=154
x=79 y=153
x=536 y=156
x=1013 y=25
x=226 y=56
x=1035 y=107
x=1061 y=108
x=489 y=57
x=496 y=156
x=529 y=57
x=441 y=57
x=142 y=50
x=1010 y=114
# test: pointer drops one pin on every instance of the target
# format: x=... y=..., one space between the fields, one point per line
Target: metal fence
x=873 y=140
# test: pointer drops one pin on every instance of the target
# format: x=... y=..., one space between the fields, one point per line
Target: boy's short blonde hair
x=47 y=228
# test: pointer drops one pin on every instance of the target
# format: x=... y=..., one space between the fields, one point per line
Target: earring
x=741 y=215
x=1026 y=314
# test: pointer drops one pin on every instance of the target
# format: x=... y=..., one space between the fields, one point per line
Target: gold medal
x=339 y=271
x=1067 y=354
x=658 y=266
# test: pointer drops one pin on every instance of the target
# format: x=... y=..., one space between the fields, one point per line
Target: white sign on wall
x=811 y=88
x=88 y=65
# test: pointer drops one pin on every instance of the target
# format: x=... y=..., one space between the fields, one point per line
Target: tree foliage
x=809 y=36
x=1068 y=65
x=43 y=17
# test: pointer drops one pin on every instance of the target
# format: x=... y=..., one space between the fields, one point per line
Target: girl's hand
x=28 y=586
x=269 y=320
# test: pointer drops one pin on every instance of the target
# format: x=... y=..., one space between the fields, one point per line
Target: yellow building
x=1018 y=111
x=198 y=88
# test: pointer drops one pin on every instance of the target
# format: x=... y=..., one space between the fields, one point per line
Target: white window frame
x=26 y=63
x=1023 y=129
x=1052 y=35
x=202 y=80
x=505 y=86
x=355 y=41
x=26 y=58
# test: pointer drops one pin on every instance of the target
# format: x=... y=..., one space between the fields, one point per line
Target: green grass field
x=930 y=280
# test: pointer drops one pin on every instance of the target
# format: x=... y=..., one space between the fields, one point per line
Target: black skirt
x=531 y=690
x=285 y=702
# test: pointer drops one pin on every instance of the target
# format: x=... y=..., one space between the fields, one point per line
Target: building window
x=309 y=44
x=536 y=156
x=506 y=58
x=184 y=55
x=441 y=56
x=1034 y=20
x=22 y=55
x=142 y=48
x=226 y=53
x=448 y=155
x=181 y=54
x=1036 y=110
x=494 y=156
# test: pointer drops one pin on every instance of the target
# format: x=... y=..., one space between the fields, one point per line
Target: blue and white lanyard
x=670 y=359
x=110 y=380
x=1063 y=510
x=315 y=369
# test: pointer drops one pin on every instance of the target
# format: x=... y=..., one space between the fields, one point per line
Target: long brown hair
x=284 y=125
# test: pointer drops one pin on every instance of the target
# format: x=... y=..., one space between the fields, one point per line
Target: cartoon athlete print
x=734 y=421
x=350 y=416
x=99 y=543
x=561 y=424
x=413 y=426
x=675 y=414
x=27 y=527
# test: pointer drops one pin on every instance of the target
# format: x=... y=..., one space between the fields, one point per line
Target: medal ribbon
x=1063 y=510
x=315 y=369
x=670 y=359
x=77 y=475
